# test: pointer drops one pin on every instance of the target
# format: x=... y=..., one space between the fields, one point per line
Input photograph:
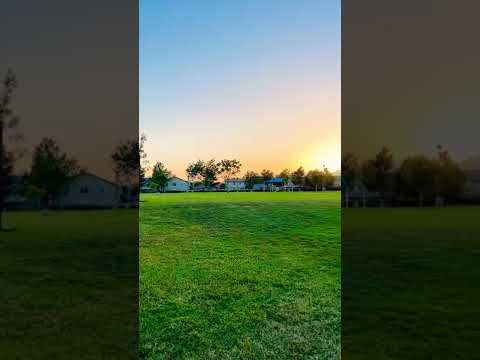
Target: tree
x=375 y=171
x=418 y=174
x=194 y=170
x=126 y=160
x=314 y=179
x=33 y=193
x=207 y=172
x=267 y=174
x=285 y=175
x=160 y=176
x=328 y=179
x=210 y=172
x=51 y=169
x=251 y=178
x=8 y=120
x=350 y=169
x=142 y=157
x=298 y=176
x=229 y=168
x=449 y=179
x=368 y=172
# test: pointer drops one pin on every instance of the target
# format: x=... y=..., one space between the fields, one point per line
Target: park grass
x=240 y=276
x=69 y=285
x=410 y=283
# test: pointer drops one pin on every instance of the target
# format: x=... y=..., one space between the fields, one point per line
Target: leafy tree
x=8 y=121
x=350 y=169
x=314 y=179
x=267 y=174
x=142 y=157
x=210 y=172
x=194 y=171
x=369 y=174
x=229 y=168
x=251 y=178
x=126 y=160
x=450 y=179
x=418 y=173
x=375 y=171
x=33 y=193
x=328 y=179
x=285 y=175
x=160 y=176
x=298 y=176
x=51 y=169
x=207 y=172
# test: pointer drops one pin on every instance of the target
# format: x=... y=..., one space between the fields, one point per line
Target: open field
x=69 y=285
x=240 y=276
x=410 y=283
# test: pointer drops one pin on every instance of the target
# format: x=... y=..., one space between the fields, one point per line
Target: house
x=145 y=186
x=88 y=190
x=275 y=182
x=235 y=185
x=84 y=190
x=175 y=184
x=201 y=187
x=259 y=187
x=15 y=199
x=472 y=184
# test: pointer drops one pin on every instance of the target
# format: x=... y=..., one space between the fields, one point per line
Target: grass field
x=410 y=283
x=69 y=285
x=240 y=276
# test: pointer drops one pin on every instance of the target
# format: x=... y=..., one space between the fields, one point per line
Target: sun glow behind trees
x=258 y=81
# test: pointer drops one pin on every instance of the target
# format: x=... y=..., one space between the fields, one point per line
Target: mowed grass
x=69 y=285
x=410 y=283
x=240 y=276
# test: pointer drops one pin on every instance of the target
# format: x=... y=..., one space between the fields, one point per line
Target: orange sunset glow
x=262 y=89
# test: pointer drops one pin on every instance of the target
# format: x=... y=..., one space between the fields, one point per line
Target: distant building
x=175 y=184
x=234 y=184
x=259 y=187
x=145 y=187
x=88 y=190
x=275 y=182
x=472 y=183
x=84 y=190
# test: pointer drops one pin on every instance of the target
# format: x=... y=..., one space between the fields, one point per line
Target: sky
x=412 y=87
x=257 y=80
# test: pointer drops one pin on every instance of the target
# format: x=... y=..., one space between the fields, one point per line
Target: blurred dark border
x=410 y=179
x=69 y=173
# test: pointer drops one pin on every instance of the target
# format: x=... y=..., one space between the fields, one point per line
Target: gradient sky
x=258 y=80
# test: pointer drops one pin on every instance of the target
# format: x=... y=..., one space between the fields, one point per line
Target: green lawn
x=240 y=276
x=69 y=285
x=410 y=283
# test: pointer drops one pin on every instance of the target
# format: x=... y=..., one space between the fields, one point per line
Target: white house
x=259 y=187
x=88 y=190
x=175 y=184
x=234 y=184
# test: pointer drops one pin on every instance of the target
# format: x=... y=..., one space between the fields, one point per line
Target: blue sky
x=254 y=79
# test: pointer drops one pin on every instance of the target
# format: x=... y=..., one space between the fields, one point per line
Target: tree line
x=208 y=173
x=51 y=168
x=418 y=176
